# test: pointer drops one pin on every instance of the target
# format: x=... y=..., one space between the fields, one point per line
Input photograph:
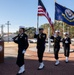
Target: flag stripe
x=43 y=12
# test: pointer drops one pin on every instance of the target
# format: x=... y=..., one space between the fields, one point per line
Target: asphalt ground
x=9 y=66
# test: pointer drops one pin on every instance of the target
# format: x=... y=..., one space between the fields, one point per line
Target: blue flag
x=64 y=14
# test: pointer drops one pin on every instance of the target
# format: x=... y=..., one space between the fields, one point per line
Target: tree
x=30 y=32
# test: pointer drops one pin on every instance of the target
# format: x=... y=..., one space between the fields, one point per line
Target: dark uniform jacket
x=57 y=41
x=40 y=40
x=66 y=41
x=22 y=41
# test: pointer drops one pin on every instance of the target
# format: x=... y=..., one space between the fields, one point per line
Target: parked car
x=72 y=41
x=51 y=40
x=32 y=40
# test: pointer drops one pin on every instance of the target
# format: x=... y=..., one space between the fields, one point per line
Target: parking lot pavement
x=31 y=61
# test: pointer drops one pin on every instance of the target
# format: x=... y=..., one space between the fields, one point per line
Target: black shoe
x=66 y=61
x=18 y=74
x=57 y=64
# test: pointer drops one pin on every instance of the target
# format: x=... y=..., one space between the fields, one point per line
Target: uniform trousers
x=66 y=51
x=40 y=53
x=56 y=51
x=20 y=58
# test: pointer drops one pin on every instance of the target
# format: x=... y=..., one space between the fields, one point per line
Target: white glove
x=23 y=51
x=55 y=35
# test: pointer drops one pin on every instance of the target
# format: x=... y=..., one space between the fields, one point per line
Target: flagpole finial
x=54 y=0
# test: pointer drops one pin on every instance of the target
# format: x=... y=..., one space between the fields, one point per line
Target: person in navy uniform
x=56 y=40
x=66 y=44
x=41 y=37
x=22 y=40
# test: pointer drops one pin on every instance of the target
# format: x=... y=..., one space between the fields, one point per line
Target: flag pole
x=37 y=22
x=49 y=42
x=54 y=14
x=63 y=29
x=54 y=0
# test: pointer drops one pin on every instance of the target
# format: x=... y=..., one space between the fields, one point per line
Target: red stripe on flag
x=43 y=12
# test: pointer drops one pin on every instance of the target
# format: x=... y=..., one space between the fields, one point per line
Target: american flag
x=43 y=12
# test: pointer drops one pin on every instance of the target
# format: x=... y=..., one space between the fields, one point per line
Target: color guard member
x=57 y=40
x=22 y=40
x=66 y=44
x=41 y=37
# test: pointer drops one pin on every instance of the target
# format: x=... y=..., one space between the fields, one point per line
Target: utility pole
x=8 y=23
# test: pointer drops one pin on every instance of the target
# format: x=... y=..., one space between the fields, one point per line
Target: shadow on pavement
x=9 y=67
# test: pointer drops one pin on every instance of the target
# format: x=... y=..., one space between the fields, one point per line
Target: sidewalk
x=10 y=68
